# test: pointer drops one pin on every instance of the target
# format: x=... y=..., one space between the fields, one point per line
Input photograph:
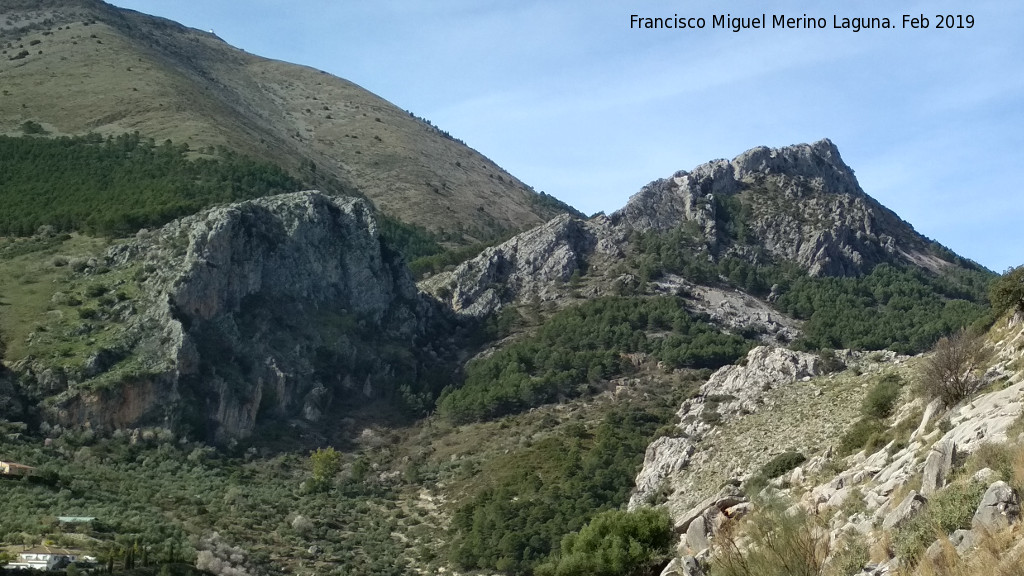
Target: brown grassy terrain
x=93 y=67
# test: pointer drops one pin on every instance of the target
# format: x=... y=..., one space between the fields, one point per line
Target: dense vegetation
x=412 y=241
x=901 y=309
x=431 y=263
x=115 y=186
x=893 y=307
x=585 y=344
x=167 y=499
x=615 y=543
x=550 y=489
x=1008 y=291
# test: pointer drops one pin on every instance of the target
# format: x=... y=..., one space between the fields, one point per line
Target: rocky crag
x=277 y=308
x=799 y=203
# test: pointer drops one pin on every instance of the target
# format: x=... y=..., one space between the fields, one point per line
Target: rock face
x=905 y=512
x=729 y=392
x=664 y=458
x=276 y=307
x=739 y=389
x=525 y=266
x=11 y=403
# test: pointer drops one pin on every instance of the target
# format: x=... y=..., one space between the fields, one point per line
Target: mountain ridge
x=799 y=204
x=128 y=72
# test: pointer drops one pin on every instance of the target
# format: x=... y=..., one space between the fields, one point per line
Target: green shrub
x=614 y=543
x=830 y=362
x=710 y=416
x=998 y=457
x=31 y=126
x=95 y=290
x=782 y=463
x=881 y=399
x=949 y=509
x=850 y=555
x=862 y=434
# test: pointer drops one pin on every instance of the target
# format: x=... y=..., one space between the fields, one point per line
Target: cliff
x=282 y=307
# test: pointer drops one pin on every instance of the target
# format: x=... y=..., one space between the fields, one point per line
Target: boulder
x=937 y=467
x=698 y=534
x=999 y=507
x=685 y=566
x=726 y=498
x=903 y=513
x=963 y=540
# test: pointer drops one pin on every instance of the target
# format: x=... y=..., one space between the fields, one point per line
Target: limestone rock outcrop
x=937 y=467
x=999 y=507
x=737 y=389
x=528 y=265
x=276 y=307
x=664 y=458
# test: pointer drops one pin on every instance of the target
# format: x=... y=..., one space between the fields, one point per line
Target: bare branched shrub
x=949 y=374
x=773 y=542
x=218 y=557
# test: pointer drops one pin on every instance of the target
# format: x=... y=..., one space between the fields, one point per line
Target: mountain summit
x=799 y=203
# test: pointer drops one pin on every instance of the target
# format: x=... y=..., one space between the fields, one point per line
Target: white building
x=44 y=558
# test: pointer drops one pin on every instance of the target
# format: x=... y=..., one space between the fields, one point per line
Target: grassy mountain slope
x=81 y=66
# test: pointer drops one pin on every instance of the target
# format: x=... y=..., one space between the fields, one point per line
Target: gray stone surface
x=937 y=466
x=905 y=512
x=816 y=214
x=999 y=507
x=664 y=458
x=528 y=265
x=223 y=288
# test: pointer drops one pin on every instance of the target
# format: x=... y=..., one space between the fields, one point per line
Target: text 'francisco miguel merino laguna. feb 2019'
x=804 y=22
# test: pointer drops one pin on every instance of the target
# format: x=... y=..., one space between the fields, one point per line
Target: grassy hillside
x=80 y=66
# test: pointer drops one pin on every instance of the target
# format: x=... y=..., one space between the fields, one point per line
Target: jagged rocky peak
x=280 y=307
x=800 y=203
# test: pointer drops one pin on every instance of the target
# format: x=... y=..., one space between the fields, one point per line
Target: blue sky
x=563 y=94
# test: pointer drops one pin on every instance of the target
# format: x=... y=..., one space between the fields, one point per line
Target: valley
x=256 y=320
